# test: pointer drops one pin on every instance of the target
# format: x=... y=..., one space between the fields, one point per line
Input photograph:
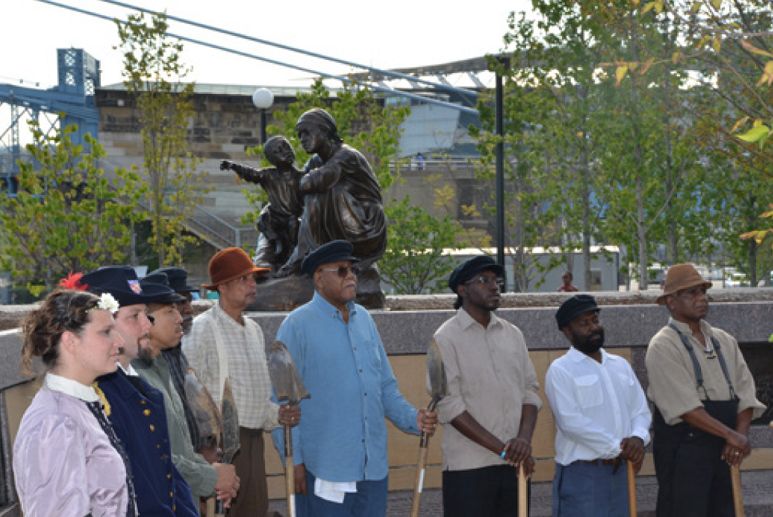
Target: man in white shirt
x=601 y=414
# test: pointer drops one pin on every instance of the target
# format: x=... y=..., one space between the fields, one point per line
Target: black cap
x=178 y=279
x=332 y=251
x=157 y=281
x=122 y=283
x=575 y=306
x=469 y=268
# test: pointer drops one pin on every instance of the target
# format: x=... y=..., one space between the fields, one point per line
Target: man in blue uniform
x=136 y=409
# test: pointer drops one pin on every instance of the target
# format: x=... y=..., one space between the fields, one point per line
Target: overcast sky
x=397 y=33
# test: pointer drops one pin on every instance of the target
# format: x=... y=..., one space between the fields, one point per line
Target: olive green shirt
x=672 y=382
x=199 y=474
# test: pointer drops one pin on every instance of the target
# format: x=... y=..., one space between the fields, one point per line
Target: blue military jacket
x=138 y=416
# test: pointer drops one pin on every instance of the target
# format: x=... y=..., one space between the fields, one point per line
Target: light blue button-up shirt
x=342 y=435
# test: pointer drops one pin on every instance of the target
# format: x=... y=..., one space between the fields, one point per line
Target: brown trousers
x=252 y=500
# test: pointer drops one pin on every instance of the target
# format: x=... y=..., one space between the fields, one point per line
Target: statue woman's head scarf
x=321 y=119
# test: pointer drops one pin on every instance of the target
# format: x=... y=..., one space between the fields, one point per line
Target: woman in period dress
x=67 y=460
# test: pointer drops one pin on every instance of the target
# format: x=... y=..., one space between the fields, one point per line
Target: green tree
x=67 y=215
x=413 y=261
x=152 y=72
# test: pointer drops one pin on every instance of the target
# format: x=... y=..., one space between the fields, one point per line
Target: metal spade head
x=284 y=377
x=436 y=371
x=204 y=409
x=230 y=424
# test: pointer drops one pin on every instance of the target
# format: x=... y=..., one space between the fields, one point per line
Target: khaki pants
x=252 y=500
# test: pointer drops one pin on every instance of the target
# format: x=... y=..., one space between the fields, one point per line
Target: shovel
x=438 y=389
x=735 y=478
x=230 y=437
x=632 y=512
x=288 y=387
x=523 y=492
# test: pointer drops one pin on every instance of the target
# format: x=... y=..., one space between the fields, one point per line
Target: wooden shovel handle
x=735 y=478
x=523 y=492
x=289 y=472
x=631 y=489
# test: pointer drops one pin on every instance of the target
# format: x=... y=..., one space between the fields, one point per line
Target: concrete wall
x=406 y=334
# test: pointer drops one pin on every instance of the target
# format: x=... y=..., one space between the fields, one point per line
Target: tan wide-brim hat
x=680 y=277
x=229 y=264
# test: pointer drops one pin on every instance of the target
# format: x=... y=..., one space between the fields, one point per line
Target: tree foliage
x=413 y=261
x=67 y=215
x=153 y=72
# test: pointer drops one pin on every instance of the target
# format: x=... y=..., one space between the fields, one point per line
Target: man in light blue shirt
x=340 y=446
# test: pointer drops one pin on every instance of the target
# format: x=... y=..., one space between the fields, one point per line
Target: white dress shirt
x=595 y=405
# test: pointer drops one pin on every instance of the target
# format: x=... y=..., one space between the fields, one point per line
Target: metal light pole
x=262 y=98
x=500 y=167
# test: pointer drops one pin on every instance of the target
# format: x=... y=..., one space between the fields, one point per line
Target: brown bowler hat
x=680 y=277
x=229 y=264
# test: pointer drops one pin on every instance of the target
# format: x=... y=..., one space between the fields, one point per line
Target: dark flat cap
x=160 y=282
x=178 y=279
x=469 y=268
x=122 y=283
x=575 y=306
x=332 y=251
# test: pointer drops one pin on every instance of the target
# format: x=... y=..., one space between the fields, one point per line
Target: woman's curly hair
x=42 y=329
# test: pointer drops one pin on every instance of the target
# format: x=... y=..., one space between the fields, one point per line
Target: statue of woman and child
x=336 y=196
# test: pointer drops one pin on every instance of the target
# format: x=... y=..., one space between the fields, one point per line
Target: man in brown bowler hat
x=223 y=344
x=704 y=398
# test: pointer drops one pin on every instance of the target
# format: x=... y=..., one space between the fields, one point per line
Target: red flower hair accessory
x=73 y=281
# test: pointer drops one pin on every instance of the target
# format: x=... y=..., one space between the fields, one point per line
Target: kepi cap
x=178 y=279
x=123 y=284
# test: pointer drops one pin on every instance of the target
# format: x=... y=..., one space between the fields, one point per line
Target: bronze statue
x=278 y=221
x=341 y=196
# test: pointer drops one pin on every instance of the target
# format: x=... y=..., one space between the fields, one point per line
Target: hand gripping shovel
x=438 y=387
x=230 y=437
x=288 y=387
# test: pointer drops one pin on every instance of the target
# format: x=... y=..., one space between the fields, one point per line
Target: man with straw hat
x=704 y=398
x=601 y=415
x=225 y=344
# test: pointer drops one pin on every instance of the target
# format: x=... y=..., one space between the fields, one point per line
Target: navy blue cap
x=178 y=279
x=471 y=267
x=156 y=281
x=332 y=251
x=123 y=284
x=575 y=306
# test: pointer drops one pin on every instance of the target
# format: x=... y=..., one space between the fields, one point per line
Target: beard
x=145 y=354
x=589 y=344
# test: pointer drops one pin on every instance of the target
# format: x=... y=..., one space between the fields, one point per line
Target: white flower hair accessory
x=107 y=303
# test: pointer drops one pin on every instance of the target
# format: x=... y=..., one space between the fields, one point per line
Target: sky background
x=398 y=33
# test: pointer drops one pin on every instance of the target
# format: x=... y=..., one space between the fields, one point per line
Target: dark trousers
x=250 y=465
x=693 y=480
x=484 y=492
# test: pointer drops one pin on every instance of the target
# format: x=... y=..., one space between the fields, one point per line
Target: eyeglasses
x=342 y=271
x=488 y=280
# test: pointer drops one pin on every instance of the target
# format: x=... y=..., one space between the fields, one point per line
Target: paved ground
x=757 y=485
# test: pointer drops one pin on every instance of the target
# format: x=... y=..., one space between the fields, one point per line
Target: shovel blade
x=436 y=371
x=284 y=377
x=230 y=424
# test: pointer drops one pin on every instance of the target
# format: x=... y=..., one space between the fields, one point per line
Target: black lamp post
x=262 y=98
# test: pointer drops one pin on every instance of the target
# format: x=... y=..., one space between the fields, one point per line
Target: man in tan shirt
x=704 y=398
x=491 y=408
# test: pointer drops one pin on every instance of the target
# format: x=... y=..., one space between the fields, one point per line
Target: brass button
x=146 y=412
x=152 y=428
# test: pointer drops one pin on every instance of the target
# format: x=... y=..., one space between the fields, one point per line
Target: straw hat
x=680 y=277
